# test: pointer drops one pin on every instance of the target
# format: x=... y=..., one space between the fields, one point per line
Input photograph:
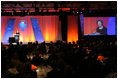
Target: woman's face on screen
x=99 y=23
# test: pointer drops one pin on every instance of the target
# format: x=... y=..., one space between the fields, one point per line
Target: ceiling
x=52 y=6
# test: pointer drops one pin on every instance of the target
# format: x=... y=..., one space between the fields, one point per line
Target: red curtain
x=50 y=27
x=72 y=31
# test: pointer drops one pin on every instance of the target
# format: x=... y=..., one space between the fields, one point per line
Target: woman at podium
x=17 y=36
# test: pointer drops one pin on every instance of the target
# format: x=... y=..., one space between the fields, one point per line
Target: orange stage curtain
x=50 y=27
x=72 y=31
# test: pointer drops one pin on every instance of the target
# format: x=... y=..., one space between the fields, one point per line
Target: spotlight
x=12 y=13
x=72 y=10
x=81 y=12
x=77 y=12
x=83 y=8
x=28 y=11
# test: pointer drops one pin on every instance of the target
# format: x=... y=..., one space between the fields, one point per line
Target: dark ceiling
x=22 y=8
x=56 y=5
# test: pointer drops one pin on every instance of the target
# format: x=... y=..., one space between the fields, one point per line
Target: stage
x=23 y=43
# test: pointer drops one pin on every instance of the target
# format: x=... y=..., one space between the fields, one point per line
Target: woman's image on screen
x=102 y=30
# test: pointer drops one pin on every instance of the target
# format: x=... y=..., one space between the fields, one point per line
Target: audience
x=88 y=58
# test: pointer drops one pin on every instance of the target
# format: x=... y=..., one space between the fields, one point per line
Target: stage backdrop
x=72 y=31
x=31 y=28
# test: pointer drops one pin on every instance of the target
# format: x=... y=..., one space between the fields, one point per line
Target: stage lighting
x=81 y=12
x=12 y=13
x=28 y=12
x=83 y=9
x=77 y=12
x=72 y=10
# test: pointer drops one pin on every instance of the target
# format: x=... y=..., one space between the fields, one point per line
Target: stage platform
x=6 y=43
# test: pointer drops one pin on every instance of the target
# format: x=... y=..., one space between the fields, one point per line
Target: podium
x=16 y=36
x=11 y=39
x=14 y=39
